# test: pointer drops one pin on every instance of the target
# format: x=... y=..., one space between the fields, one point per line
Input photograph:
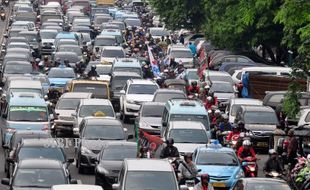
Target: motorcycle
x=250 y=167
x=2 y=16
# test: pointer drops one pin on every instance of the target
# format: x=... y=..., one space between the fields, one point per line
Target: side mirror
x=164 y=124
x=118 y=115
x=73 y=181
x=116 y=186
x=122 y=92
x=4 y=116
x=130 y=137
x=70 y=160
x=5 y=181
x=125 y=130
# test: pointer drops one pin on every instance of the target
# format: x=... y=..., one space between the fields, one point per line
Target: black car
x=95 y=132
x=38 y=174
x=260 y=183
x=38 y=148
x=16 y=139
x=110 y=160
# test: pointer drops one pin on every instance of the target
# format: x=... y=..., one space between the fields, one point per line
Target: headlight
x=130 y=101
x=144 y=125
x=85 y=150
x=240 y=174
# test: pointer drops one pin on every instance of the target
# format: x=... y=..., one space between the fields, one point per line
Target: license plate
x=262 y=144
x=218 y=184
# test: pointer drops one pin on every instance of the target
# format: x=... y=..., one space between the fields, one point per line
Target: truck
x=105 y=2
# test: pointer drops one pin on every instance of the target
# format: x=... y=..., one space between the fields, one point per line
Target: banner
x=154 y=63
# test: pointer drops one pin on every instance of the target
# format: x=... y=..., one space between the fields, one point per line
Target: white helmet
x=217 y=111
x=246 y=143
x=272 y=151
x=209 y=98
x=209 y=111
x=225 y=116
x=242 y=135
x=207 y=87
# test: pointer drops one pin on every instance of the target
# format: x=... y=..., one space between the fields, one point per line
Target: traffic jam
x=99 y=94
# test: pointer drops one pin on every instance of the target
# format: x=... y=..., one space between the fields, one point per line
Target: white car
x=134 y=93
x=305 y=117
x=110 y=53
x=235 y=103
x=181 y=54
x=89 y=107
x=187 y=135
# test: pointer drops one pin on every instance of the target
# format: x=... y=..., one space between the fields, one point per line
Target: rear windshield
x=98 y=90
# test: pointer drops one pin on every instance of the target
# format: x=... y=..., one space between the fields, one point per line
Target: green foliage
x=178 y=14
x=291 y=105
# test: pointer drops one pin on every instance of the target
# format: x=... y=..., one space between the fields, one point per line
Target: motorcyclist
x=209 y=103
x=92 y=72
x=273 y=163
x=96 y=54
x=235 y=131
x=188 y=169
x=241 y=127
x=169 y=150
x=67 y=63
x=225 y=125
x=246 y=150
x=45 y=62
x=84 y=48
x=180 y=68
x=173 y=63
x=193 y=89
x=204 y=183
x=147 y=72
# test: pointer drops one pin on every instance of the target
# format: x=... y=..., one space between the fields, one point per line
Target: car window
x=91 y=110
x=276 y=98
x=242 y=60
x=307 y=119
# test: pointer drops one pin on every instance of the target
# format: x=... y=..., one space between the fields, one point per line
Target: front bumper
x=221 y=183
x=261 y=142
x=63 y=125
x=105 y=181
x=131 y=109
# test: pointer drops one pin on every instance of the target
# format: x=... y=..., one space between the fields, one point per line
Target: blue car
x=59 y=76
x=220 y=163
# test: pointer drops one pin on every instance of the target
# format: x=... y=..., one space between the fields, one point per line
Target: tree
x=180 y=14
x=243 y=24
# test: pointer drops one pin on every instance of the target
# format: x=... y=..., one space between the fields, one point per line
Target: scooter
x=250 y=167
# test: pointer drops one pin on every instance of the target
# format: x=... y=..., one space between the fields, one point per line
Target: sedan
x=110 y=160
x=38 y=174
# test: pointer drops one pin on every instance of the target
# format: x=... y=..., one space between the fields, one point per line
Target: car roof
x=27 y=99
x=148 y=165
x=80 y=95
x=186 y=125
x=168 y=91
x=245 y=101
x=257 y=108
x=216 y=73
x=120 y=143
x=39 y=164
x=95 y=102
x=184 y=106
x=112 y=48
x=264 y=180
x=76 y=187
x=153 y=104
x=35 y=142
x=102 y=121
x=211 y=148
x=126 y=62
x=31 y=132
x=271 y=69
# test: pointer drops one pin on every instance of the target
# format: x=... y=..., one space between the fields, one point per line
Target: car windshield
x=119 y=81
x=164 y=97
x=67 y=103
x=142 y=180
x=48 y=34
x=106 y=132
x=182 y=54
x=105 y=70
x=119 y=153
x=198 y=136
x=98 y=90
x=91 y=110
x=132 y=22
x=18 y=69
x=113 y=53
x=28 y=113
x=217 y=158
x=142 y=89
x=128 y=69
x=260 y=117
x=32 y=90
x=222 y=88
x=41 y=152
x=192 y=75
x=44 y=178
x=18 y=138
x=185 y=117
x=221 y=78
x=159 y=33
x=152 y=110
x=105 y=42
x=30 y=38
x=61 y=73
x=268 y=186
x=74 y=49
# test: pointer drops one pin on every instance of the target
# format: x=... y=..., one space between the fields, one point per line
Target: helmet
x=93 y=66
x=207 y=87
x=209 y=111
x=180 y=63
x=170 y=141
x=246 y=143
x=205 y=176
x=225 y=117
x=166 y=71
x=188 y=155
x=194 y=83
x=272 y=151
x=38 y=60
x=217 y=111
x=235 y=127
x=209 y=98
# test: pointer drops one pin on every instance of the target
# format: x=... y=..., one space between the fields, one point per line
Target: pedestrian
x=181 y=39
x=193 y=48
x=292 y=149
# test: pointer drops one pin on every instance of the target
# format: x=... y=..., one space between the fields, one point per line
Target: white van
x=272 y=71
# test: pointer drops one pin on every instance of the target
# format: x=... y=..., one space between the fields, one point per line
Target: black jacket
x=273 y=165
x=169 y=151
